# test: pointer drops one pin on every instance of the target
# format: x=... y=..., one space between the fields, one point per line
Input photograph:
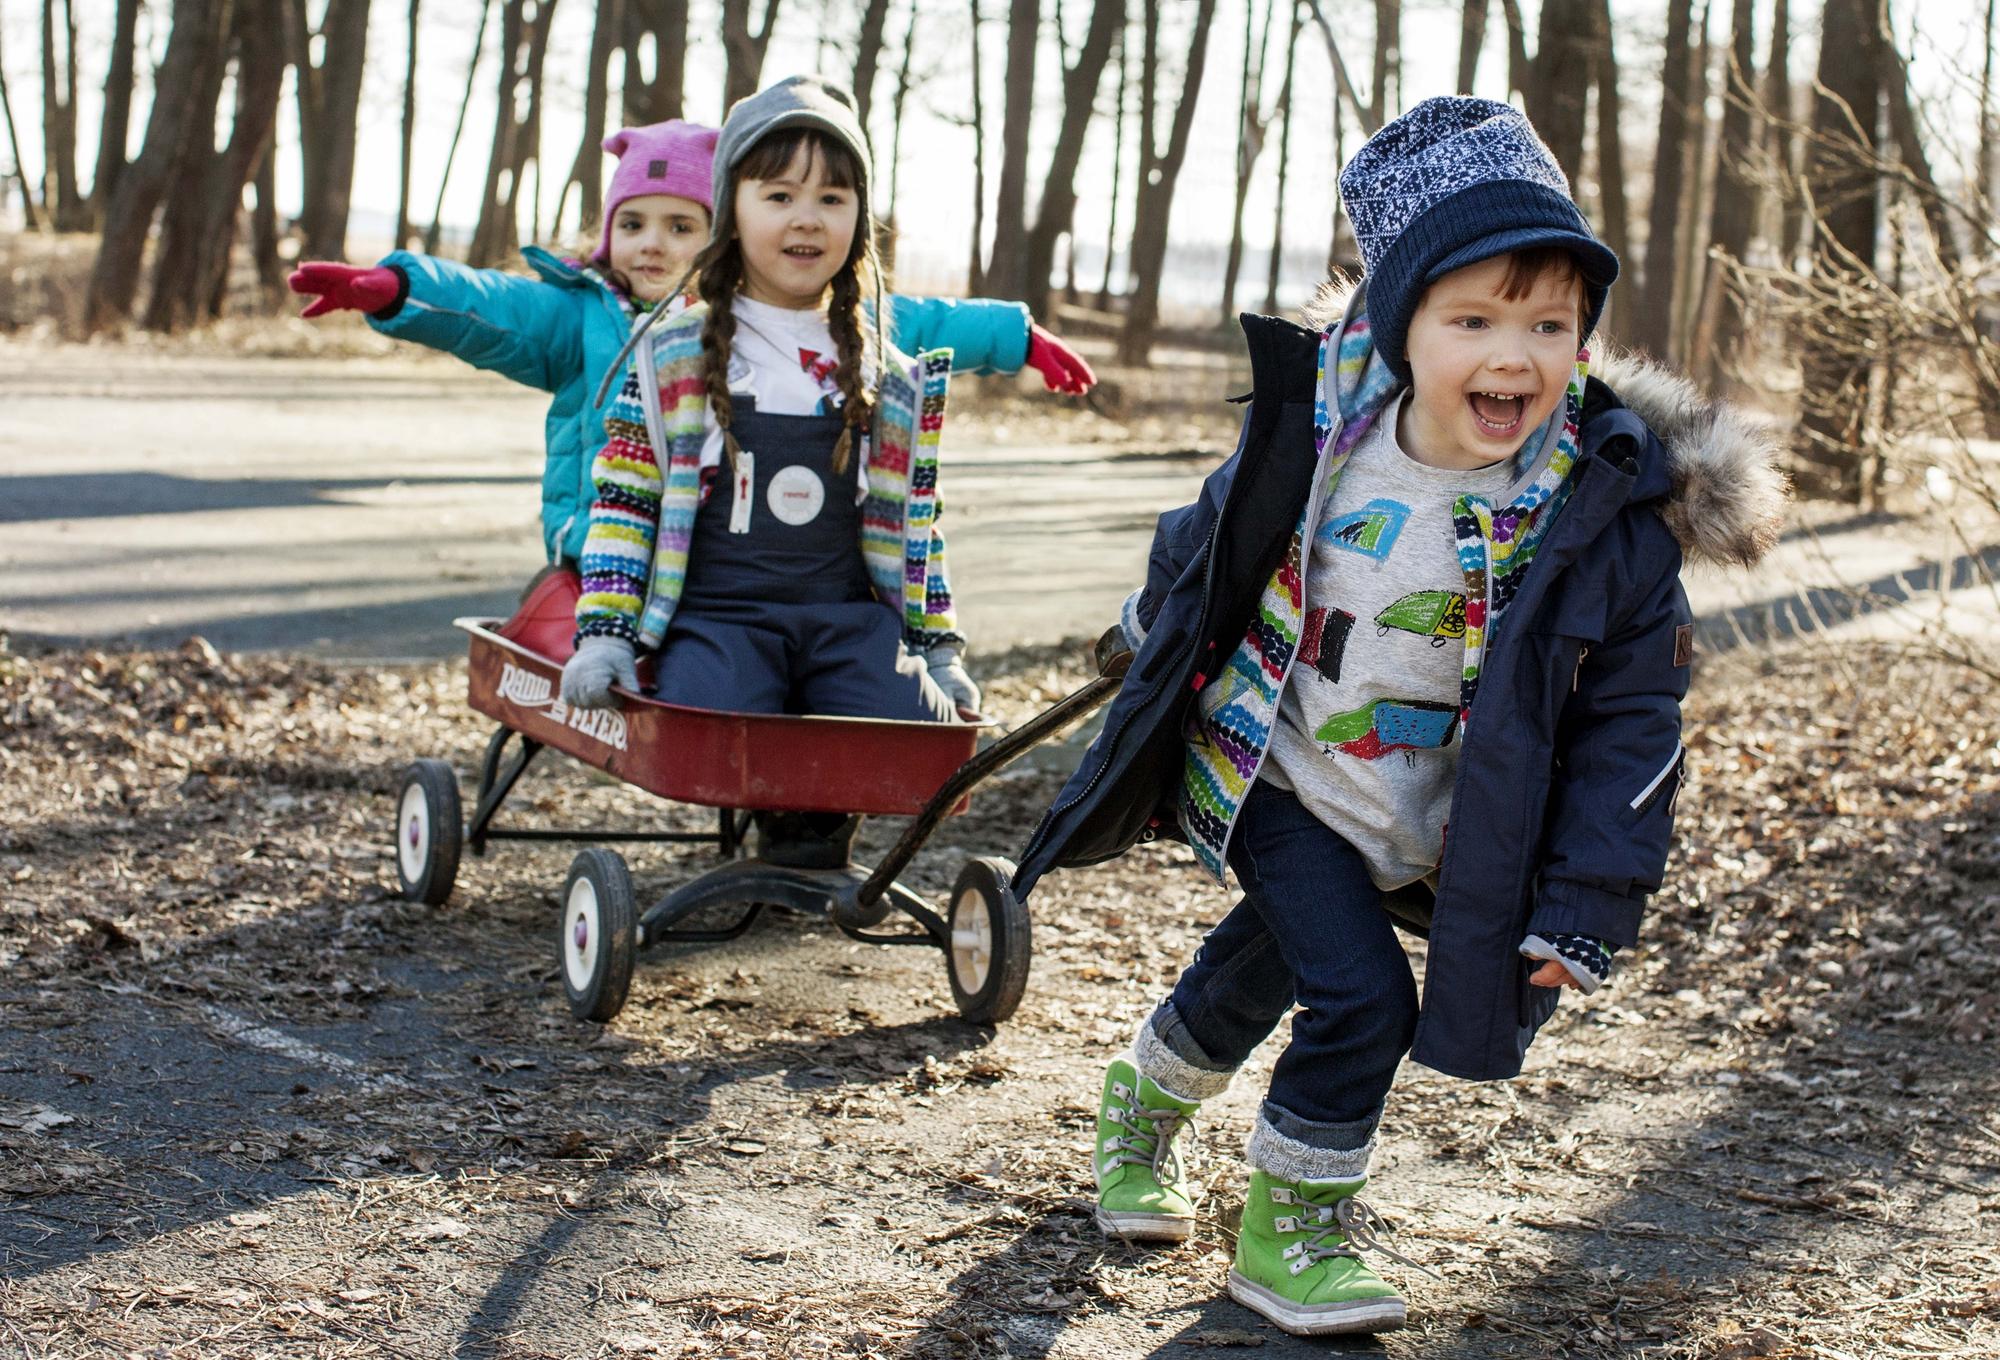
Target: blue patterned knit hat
x=1454 y=181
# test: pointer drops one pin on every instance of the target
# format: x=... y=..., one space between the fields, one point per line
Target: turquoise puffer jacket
x=560 y=330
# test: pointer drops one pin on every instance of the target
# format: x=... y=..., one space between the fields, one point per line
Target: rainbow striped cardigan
x=642 y=518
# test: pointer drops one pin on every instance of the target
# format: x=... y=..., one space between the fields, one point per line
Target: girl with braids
x=563 y=330
x=765 y=498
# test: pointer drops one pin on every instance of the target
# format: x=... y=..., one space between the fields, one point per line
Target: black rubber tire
x=987 y=883
x=597 y=971
x=430 y=832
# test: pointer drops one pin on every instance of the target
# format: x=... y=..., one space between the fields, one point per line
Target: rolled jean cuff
x=1165 y=1052
x=1295 y=1149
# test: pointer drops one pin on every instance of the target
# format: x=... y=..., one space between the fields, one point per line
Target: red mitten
x=1061 y=367
x=344 y=287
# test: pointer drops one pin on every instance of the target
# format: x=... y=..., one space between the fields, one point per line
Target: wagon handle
x=1113 y=656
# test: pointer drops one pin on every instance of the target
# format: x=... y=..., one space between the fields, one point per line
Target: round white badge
x=796 y=495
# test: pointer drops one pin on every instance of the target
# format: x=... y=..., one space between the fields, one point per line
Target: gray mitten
x=948 y=671
x=599 y=663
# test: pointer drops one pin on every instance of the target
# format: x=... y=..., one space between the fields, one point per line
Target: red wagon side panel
x=733 y=760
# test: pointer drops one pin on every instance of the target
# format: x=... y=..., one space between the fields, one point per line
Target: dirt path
x=250 y=1104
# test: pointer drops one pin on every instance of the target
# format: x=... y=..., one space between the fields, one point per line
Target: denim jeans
x=1310 y=928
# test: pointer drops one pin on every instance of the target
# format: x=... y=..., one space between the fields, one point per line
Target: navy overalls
x=780 y=618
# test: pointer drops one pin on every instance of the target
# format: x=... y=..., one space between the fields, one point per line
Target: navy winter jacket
x=1563 y=808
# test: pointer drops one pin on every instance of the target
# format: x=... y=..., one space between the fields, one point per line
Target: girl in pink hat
x=562 y=329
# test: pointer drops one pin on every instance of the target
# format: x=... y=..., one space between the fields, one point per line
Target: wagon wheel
x=990 y=942
x=430 y=832
x=598 y=935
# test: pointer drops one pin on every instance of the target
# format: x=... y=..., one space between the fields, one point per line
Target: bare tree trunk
x=60 y=195
x=264 y=225
x=975 y=270
x=1250 y=128
x=117 y=121
x=328 y=138
x=1559 y=91
x=184 y=219
x=743 y=49
x=1692 y=231
x=1610 y=139
x=1735 y=213
x=524 y=38
x=1471 y=38
x=587 y=173
x=1982 y=176
x=1156 y=195
x=1006 y=266
x=1057 y=213
x=432 y=237
x=200 y=291
x=1931 y=201
x=868 y=54
x=1653 y=327
x=663 y=96
x=896 y=113
x=409 y=132
x=1284 y=165
x=1343 y=82
x=14 y=144
x=1783 y=141
x=1387 y=68
x=1842 y=176
x=1520 y=71
x=198 y=29
x=1117 y=166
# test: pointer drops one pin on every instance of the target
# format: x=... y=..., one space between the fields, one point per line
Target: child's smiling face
x=1486 y=369
x=654 y=238
x=796 y=230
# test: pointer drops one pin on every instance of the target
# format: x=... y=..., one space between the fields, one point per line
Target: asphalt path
x=352 y=508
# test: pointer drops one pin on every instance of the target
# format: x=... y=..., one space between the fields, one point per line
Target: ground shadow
x=105 y=495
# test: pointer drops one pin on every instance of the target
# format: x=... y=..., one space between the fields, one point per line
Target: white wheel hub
x=413 y=833
x=971 y=940
x=582 y=935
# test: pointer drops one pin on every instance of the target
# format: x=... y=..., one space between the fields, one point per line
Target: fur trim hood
x=1728 y=491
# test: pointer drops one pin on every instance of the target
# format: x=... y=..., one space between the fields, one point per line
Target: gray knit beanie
x=1454 y=181
x=794 y=102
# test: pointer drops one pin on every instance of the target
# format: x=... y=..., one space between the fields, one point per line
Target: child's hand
x=344 y=287
x=1567 y=960
x=1553 y=974
x=950 y=675
x=599 y=663
x=1062 y=368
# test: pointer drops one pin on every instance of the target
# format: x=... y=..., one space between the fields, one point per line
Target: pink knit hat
x=673 y=157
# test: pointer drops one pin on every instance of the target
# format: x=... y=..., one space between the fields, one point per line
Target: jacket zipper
x=1576 y=680
x=1201 y=618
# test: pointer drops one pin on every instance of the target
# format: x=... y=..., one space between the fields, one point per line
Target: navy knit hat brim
x=1527 y=216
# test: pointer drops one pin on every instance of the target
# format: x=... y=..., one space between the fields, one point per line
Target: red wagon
x=742 y=765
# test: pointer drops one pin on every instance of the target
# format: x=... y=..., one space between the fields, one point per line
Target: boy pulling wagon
x=1438 y=461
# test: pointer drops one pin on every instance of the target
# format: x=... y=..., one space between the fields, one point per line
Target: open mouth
x=804 y=254
x=1498 y=413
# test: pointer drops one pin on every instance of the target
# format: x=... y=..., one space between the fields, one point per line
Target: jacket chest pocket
x=1566 y=629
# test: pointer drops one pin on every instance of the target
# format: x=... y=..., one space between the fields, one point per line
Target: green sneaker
x=1297 y=1263
x=1142 y=1189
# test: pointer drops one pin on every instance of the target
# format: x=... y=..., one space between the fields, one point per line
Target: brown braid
x=843 y=318
x=720 y=277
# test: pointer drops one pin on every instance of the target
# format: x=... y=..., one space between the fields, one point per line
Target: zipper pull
x=1576 y=680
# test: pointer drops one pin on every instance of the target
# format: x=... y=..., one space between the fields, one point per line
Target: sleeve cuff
x=1128 y=619
x=1587 y=960
x=1565 y=906
x=388 y=313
